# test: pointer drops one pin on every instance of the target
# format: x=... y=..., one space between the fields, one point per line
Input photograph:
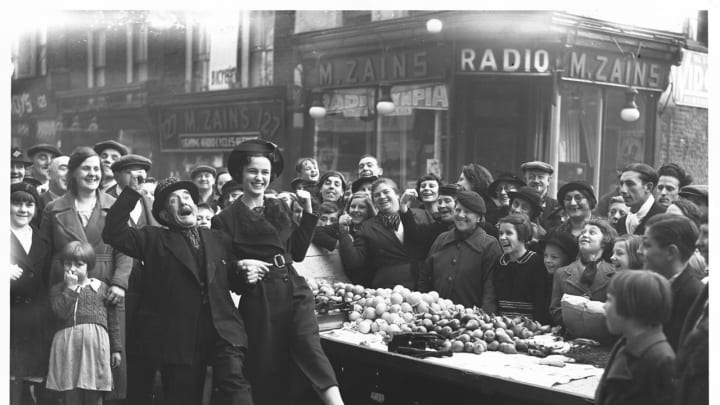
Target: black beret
x=202 y=169
x=230 y=185
x=472 y=201
x=111 y=144
x=580 y=186
x=131 y=160
x=537 y=165
x=355 y=186
x=43 y=147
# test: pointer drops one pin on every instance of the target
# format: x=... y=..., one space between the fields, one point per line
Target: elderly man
x=109 y=151
x=671 y=178
x=18 y=164
x=637 y=181
x=57 y=186
x=203 y=176
x=190 y=271
x=41 y=155
x=537 y=175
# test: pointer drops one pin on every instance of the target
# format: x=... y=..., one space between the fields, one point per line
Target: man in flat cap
x=637 y=182
x=204 y=178
x=41 y=155
x=57 y=186
x=697 y=194
x=18 y=164
x=125 y=168
x=537 y=175
x=109 y=151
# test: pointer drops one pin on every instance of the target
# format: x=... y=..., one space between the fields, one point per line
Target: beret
x=16 y=156
x=472 y=201
x=111 y=144
x=449 y=189
x=537 y=165
x=131 y=160
x=43 y=147
x=580 y=186
x=530 y=195
x=505 y=178
x=355 y=186
x=202 y=169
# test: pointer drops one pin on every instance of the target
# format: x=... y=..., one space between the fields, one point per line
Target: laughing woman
x=80 y=215
x=284 y=354
x=427 y=191
x=379 y=256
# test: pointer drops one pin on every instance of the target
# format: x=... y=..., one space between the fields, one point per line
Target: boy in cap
x=637 y=181
x=537 y=175
x=191 y=271
x=18 y=164
x=109 y=151
x=41 y=155
x=124 y=169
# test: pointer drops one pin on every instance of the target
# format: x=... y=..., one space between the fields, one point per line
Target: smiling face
x=331 y=189
x=87 y=176
x=107 y=158
x=222 y=178
x=617 y=210
x=309 y=171
x=465 y=220
x=429 y=191
x=256 y=176
x=538 y=180
x=368 y=166
x=204 y=218
x=180 y=209
x=17 y=172
x=358 y=210
x=667 y=190
x=502 y=191
x=554 y=258
x=446 y=208
x=509 y=240
x=58 y=173
x=41 y=164
x=386 y=199
x=620 y=258
x=21 y=213
x=204 y=181
x=633 y=191
x=590 y=241
x=576 y=205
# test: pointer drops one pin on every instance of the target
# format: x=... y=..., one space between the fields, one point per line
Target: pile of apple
x=388 y=311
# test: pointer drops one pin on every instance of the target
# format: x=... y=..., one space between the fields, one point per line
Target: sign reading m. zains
x=218 y=126
x=605 y=67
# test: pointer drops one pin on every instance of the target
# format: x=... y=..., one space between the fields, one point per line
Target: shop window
x=29 y=55
x=262 y=39
x=409 y=143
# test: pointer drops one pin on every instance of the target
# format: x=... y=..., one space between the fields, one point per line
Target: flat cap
x=202 y=169
x=697 y=191
x=111 y=144
x=537 y=165
x=126 y=161
x=43 y=147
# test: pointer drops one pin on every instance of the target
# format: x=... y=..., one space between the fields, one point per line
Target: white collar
x=642 y=212
x=95 y=284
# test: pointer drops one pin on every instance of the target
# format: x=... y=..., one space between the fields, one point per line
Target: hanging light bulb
x=385 y=104
x=630 y=112
x=434 y=26
x=317 y=109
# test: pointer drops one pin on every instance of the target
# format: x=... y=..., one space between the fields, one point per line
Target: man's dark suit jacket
x=654 y=210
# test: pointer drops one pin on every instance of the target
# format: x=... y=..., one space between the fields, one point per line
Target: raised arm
x=118 y=234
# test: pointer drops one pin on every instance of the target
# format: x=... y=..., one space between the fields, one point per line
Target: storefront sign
x=514 y=60
x=27 y=103
x=690 y=80
x=218 y=126
x=605 y=67
x=223 y=38
x=360 y=102
x=373 y=68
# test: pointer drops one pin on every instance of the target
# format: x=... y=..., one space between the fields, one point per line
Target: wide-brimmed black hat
x=131 y=160
x=163 y=190
x=530 y=195
x=111 y=144
x=43 y=147
x=585 y=188
x=505 y=178
x=28 y=188
x=355 y=186
x=17 y=156
x=251 y=147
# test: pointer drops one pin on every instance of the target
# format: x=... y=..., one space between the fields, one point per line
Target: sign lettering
x=691 y=80
x=505 y=60
x=594 y=66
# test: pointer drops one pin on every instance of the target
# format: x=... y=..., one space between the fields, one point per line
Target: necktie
x=391 y=221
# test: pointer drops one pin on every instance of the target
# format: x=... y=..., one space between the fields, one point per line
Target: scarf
x=588 y=275
x=193 y=236
x=391 y=222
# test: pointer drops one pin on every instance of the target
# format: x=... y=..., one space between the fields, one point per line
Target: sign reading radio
x=606 y=67
x=220 y=126
x=505 y=60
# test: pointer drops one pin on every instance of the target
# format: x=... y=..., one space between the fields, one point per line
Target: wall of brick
x=682 y=137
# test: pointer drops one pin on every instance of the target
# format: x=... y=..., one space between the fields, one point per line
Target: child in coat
x=88 y=344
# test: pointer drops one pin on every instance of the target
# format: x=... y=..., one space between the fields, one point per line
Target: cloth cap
x=472 y=201
x=28 y=188
x=252 y=147
x=230 y=185
x=505 y=178
x=699 y=191
x=530 y=195
x=111 y=144
x=43 y=147
x=355 y=186
x=563 y=240
x=537 y=165
x=126 y=161
x=585 y=188
x=202 y=169
x=163 y=190
x=16 y=156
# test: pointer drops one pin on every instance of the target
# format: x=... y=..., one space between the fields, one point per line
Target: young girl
x=559 y=250
x=640 y=368
x=624 y=253
x=88 y=343
x=522 y=285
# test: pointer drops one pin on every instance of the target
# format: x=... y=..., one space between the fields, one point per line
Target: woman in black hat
x=498 y=191
x=284 y=346
x=577 y=199
x=527 y=201
x=460 y=261
x=30 y=315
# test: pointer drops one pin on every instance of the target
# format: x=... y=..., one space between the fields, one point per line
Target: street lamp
x=317 y=109
x=630 y=112
x=385 y=104
x=434 y=26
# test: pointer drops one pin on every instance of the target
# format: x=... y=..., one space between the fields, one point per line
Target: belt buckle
x=279 y=261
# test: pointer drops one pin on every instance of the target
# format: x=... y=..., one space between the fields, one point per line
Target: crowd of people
x=117 y=276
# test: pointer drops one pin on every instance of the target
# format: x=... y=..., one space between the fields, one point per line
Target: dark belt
x=280 y=260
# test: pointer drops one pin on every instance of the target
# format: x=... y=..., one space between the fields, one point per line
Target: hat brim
x=535 y=206
x=159 y=203
x=492 y=188
x=235 y=163
x=50 y=149
x=26 y=163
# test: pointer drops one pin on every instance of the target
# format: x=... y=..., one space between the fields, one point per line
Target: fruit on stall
x=386 y=311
